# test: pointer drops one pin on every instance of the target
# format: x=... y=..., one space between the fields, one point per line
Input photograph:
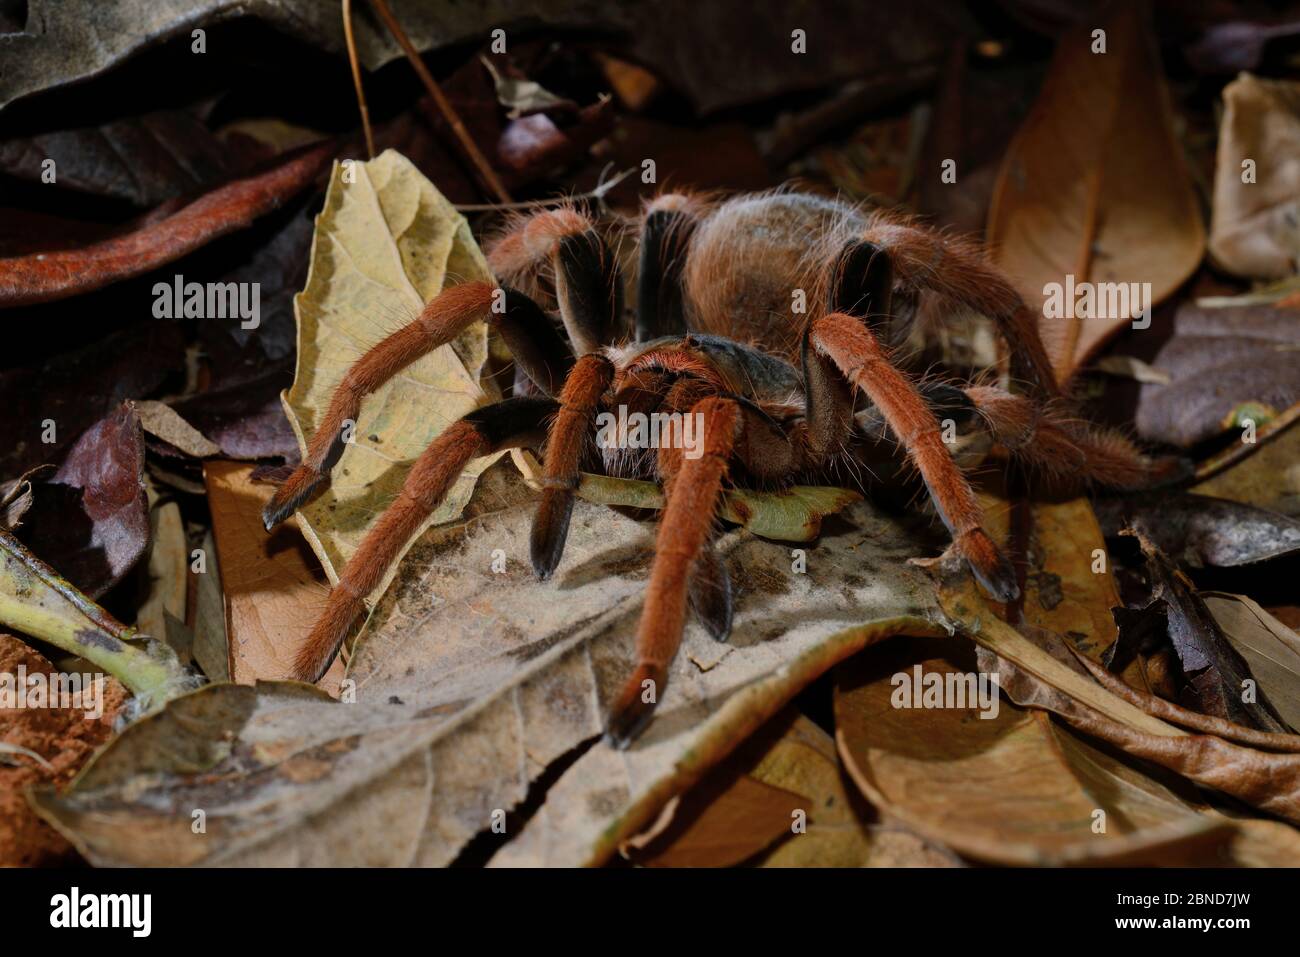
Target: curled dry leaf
x=470 y=684
x=1012 y=788
x=1037 y=678
x=1213 y=673
x=1199 y=531
x=1270 y=648
x=386 y=243
x=154 y=242
x=1255 y=229
x=1094 y=187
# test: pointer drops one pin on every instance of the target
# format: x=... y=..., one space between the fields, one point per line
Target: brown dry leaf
x=211 y=644
x=1094 y=184
x=1270 y=648
x=1269 y=477
x=1262 y=779
x=1253 y=230
x=168 y=570
x=274 y=588
x=386 y=243
x=788 y=767
x=162 y=421
x=1011 y=789
x=469 y=684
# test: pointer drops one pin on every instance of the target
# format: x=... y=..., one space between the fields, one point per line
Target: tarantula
x=782 y=397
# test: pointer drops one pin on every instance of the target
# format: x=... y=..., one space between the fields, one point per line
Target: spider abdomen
x=756 y=260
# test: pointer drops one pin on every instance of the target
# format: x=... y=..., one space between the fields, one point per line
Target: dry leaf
x=274 y=588
x=1270 y=648
x=1010 y=789
x=470 y=684
x=386 y=243
x=1094 y=185
x=1255 y=228
x=162 y=421
x=1269 y=477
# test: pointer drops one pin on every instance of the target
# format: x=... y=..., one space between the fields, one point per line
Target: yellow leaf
x=386 y=242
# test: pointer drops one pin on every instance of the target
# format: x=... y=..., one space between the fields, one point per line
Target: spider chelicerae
x=780 y=397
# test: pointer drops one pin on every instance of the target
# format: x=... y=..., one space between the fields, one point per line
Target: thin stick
x=476 y=157
x=598 y=193
x=356 y=76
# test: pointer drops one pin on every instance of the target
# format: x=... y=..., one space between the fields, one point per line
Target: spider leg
x=1063 y=447
x=535 y=343
x=588 y=281
x=684 y=531
x=845 y=342
x=665 y=233
x=709 y=593
x=510 y=423
x=958 y=271
x=569 y=434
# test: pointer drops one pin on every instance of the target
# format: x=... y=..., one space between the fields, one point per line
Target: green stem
x=35 y=600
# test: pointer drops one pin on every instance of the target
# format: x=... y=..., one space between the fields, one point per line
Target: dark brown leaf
x=90 y=520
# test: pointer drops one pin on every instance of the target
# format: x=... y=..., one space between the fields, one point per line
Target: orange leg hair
x=1068 y=449
x=849 y=344
x=507 y=424
x=572 y=428
x=685 y=527
x=441 y=320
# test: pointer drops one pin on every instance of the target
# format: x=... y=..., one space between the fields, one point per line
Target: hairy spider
x=781 y=398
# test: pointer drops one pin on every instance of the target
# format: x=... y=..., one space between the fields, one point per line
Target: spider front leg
x=684 y=532
x=843 y=344
x=533 y=341
x=512 y=423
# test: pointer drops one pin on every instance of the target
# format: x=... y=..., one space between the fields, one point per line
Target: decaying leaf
x=1199 y=531
x=470 y=683
x=274 y=588
x=791 y=515
x=1269 y=477
x=386 y=243
x=1213 y=673
x=90 y=518
x=1094 y=187
x=1007 y=788
x=162 y=421
x=1270 y=648
x=1247 y=351
x=1255 y=230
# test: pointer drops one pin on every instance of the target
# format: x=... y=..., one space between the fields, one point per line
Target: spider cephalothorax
x=778 y=396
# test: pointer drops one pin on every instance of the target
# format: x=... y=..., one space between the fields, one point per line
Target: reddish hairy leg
x=846 y=342
x=508 y=424
x=694 y=487
x=440 y=321
x=569 y=433
x=1048 y=439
